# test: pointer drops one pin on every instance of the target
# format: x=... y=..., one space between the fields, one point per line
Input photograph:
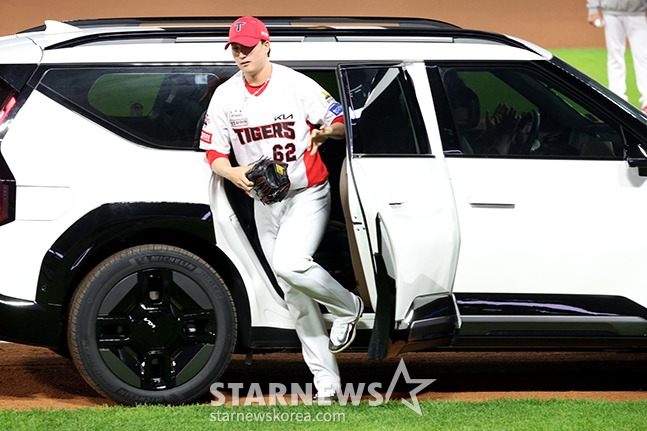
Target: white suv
x=454 y=234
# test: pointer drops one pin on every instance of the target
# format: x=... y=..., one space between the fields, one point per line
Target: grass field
x=501 y=415
x=517 y=415
x=593 y=62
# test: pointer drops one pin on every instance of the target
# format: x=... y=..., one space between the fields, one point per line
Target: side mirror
x=637 y=158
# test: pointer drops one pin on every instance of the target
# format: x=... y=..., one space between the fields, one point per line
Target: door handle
x=490 y=202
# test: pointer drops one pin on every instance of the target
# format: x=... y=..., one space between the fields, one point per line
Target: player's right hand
x=237 y=176
x=591 y=19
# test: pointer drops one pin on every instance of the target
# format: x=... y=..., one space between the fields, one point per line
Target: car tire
x=152 y=324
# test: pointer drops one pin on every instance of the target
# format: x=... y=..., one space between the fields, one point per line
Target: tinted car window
x=501 y=111
x=161 y=107
x=384 y=112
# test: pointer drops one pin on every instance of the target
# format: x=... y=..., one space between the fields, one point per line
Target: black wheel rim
x=156 y=329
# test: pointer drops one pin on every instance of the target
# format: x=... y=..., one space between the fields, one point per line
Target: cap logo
x=239 y=26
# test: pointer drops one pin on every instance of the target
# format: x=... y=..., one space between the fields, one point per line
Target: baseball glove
x=270 y=178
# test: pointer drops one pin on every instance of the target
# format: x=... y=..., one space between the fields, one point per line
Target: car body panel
x=564 y=221
x=19 y=50
x=93 y=166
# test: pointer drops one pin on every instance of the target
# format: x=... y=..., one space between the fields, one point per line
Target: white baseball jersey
x=275 y=123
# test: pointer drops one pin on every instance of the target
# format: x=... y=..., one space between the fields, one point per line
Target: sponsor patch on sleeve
x=205 y=137
x=240 y=122
x=336 y=108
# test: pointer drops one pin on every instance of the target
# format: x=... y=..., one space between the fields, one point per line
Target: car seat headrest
x=465 y=107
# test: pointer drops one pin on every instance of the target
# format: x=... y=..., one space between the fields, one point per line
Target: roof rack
x=270 y=21
x=324 y=26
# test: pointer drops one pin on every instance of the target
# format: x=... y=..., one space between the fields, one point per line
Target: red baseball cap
x=247 y=31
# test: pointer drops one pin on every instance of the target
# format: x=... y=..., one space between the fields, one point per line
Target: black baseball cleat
x=325 y=399
x=343 y=334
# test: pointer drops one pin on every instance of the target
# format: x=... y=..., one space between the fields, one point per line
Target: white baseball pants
x=290 y=232
x=617 y=30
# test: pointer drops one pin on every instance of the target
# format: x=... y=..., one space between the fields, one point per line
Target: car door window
x=515 y=111
x=154 y=106
x=385 y=118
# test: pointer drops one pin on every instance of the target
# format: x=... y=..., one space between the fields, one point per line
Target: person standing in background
x=622 y=20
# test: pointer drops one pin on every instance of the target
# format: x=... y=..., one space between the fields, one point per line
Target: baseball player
x=622 y=20
x=270 y=110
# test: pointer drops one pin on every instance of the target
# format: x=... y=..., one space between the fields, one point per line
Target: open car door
x=399 y=210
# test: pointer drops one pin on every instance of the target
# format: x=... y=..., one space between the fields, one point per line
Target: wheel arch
x=113 y=227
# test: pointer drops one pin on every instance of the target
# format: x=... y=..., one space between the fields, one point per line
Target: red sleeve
x=213 y=155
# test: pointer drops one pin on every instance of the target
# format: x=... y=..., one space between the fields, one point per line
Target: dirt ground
x=32 y=377
x=35 y=377
x=548 y=23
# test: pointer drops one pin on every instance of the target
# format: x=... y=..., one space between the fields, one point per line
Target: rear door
x=399 y=209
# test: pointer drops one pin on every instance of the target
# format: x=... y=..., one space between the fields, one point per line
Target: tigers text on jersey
x=275 y=123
